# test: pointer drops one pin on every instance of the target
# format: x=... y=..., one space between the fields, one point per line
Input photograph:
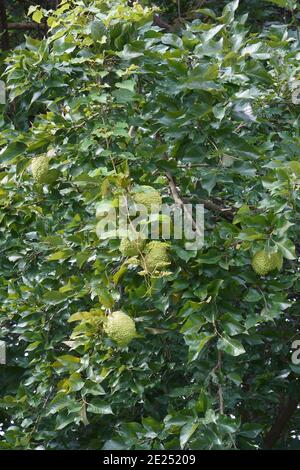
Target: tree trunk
x=285 y=412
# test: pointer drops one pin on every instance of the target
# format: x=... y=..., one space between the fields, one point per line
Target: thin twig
x=218 y=367
x=180 y=202
x=179 y=9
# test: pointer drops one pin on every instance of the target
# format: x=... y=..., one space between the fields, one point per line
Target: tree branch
x=26 y=26
x=177 y=199
x=218 y=367
x=227 y=212
x=158 y=21
x=286 y=410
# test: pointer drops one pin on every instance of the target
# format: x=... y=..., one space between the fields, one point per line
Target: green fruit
x=40 y=170
x=148 y=196
x=264 y=262
x=131 y=247
x=120 y=328
x=157 y=256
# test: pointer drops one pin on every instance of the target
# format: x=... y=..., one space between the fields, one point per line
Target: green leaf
x=229 y=11
x=63 y=254
x=212 y=32
x=287 y=248
x=196 y=343
x=37 y=16
x=99 y=407
x=58 y=403
x=12 y=151
x=98 y=30
x=115 y=444
x=64 y=419
x=126 y=85
x=33 y=346
x=186 y=433
x=209 y=181
x=231 y=346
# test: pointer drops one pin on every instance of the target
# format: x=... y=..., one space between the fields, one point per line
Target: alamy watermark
x=296 y=352
x=2 y=352
x=123 y=220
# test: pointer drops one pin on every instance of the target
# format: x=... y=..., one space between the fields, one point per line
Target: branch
x=285 y=412
x=179 y=8
x=227 y=212
x=26 y=26
x=158 y=21
x=218 y=367
x=180 y=202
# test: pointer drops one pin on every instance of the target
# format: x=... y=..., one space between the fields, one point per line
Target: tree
x=203 y=112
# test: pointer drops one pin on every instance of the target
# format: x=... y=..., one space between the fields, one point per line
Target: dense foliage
x=117 y=101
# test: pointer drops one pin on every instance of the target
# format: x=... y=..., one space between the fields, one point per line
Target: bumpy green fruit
x=157 y=256
x=264 y=262
x=40 y=170
x=132 y=247
x=148 y=197
x=120 y=328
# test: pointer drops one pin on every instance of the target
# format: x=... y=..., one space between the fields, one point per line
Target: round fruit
x=157 y=256
x=131 y=247
x=264 y=262
x=120 y=328
x=40 y=170
x=148 y=197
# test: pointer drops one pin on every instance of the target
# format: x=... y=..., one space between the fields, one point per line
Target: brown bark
x=25 y=26
x=158 y=21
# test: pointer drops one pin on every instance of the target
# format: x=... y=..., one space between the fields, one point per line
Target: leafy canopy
x=115 y=101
